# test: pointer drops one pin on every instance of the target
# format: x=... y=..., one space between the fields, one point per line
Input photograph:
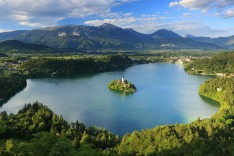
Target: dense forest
x=3 y=55
x=219 y=63
x=56 y=66
x=36 y=127
x=219 y=89
x=12 y=84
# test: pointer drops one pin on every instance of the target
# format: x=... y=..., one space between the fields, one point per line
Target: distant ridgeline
x=122 y=85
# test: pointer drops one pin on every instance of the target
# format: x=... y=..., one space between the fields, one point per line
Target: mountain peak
x=164 y=33
x=130 y=29
x=189 y=36
x=108 y=26
x=108 y=36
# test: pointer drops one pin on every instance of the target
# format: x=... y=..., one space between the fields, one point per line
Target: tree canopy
x=50 y=132
x=124 y=87
x=219 y=63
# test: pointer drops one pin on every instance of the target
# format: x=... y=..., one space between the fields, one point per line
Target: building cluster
x=9 y=66
x=184 y=60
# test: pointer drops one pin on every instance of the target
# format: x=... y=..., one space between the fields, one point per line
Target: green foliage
x=3 y=55
x=10 y=85
x=53 y=66
x=178 y=139
x=219 y=89
x=220 y=63
x=14 y=46
x=45 y=133
x=214 y=136
x=124 y=87
x=87 y=150
x=42 y=144
x=36 y=118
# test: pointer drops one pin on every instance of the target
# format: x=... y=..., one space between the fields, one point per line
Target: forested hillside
x=106 y=37
x=14 y=46
x=219 y=89
x=220 y=63
x=48 y=66
x=35 y=130
x=12 y=84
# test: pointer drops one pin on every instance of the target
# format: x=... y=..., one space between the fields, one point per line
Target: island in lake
x=122 y=86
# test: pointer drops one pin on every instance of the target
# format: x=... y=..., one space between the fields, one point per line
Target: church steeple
x=123 y=79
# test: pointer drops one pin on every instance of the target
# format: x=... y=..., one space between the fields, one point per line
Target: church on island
x=122 y=85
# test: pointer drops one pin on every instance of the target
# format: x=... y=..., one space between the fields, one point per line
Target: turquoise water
x=165 y=95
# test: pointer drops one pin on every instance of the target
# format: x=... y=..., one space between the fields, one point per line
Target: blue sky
x=212 y=18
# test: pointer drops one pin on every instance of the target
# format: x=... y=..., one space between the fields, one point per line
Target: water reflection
x=165 y=95
x=210 y=101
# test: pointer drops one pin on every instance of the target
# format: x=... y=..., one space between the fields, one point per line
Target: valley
x=72 y=80
x=35 y=66
x=116 y=78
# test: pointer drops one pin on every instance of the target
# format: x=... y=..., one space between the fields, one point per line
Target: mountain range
x=227 y=42
x=16 y=45
x=110 y=37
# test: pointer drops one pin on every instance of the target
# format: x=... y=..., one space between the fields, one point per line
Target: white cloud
x=173 y=4
x=190 y=15
x=186 y=14
x=151 y=23
x=110 y=14
x=31 y=24
x=4 y=30
x=21 y=17
x=228 y=13
x=118 y=22
x=203 y=5
x=32 y=13
x=189 y=26
x=124 y=21
x=148 y=24
x=193 y=4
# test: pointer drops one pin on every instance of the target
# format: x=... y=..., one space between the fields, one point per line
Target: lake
x=165 y=95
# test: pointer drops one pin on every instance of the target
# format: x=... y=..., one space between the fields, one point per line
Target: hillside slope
x=107 y=37
x=21 y=47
